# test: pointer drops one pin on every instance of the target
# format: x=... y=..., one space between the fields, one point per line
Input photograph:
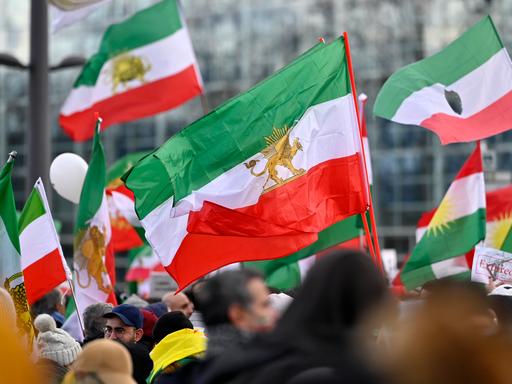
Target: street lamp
x=39 y=134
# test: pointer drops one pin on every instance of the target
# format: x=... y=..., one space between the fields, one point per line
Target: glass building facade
x=240 y=42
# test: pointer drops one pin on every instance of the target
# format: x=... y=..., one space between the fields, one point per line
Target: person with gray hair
x=235 y=305
x=94 y=322
x=51 y=304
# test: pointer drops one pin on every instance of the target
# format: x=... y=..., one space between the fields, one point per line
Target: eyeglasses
x=120 y=331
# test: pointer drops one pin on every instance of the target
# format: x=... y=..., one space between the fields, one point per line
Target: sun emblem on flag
x=498 y=230
x=442 y=218
x=125 y=68
x=279 y=153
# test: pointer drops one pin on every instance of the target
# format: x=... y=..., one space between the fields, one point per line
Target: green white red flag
x=283 y=162
x=92 y=244
x=288 y=272
x=145 y=65
x=127 y=232
x=11 y=275
x=463 y=93
x=457 y=225
x=42 y=259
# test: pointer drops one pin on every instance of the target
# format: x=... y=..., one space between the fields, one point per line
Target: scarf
x=174 y=347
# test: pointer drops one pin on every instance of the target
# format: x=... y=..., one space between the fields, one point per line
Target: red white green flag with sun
x=145 y=65
x=261 y=176
x=456 y=226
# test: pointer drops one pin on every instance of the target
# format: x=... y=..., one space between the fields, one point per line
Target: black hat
x=169 y=323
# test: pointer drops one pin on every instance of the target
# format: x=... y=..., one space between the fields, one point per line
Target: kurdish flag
x=457 y=225
x=11 y=275
x=42 y=259
x=92 y=245
x=259 y=177
x=145 y=65
x=498 y=235
x=463 y=93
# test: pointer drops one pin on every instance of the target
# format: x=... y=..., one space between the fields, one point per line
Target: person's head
x=441 y=342
x=239 y=298
x=101 y=361
x=49 y=303
x=178 y=302
x=94 y=322
x=7 y=309
x=169 y=323
x=339 y=296
x=54 y=343
x=124 y=323
x=500 y=300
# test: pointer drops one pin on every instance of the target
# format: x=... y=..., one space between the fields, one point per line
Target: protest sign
x=490 y=262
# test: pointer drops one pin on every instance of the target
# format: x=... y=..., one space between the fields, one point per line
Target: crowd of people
x=342 y=325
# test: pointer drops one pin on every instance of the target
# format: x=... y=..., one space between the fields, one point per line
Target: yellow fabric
x=176 y=346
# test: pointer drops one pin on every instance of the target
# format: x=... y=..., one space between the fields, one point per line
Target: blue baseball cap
x=129 y=315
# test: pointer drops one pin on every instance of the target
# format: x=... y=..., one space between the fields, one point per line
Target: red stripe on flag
x=498 y=203
x=143 y=101
x=43 y=275
x=283 y=221
x=472 y=165
x=495 y=118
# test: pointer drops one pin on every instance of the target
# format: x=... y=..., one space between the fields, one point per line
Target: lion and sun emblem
x=279 y=153
x=126 y=68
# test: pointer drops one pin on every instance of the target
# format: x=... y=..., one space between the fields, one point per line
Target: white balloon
x=67 y=175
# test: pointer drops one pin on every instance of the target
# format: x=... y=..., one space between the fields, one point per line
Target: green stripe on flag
x=33 y=209
x=457 y=238
x=8 y=213
x=236 y=130
x=283 y=273
x=123 y=165
x=468 y=52
x=91 y=196
x=145 y=27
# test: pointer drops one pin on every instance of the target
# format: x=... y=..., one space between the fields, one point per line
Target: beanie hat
x=54 y=343
x=149 y=322
x=107 y=359
x=169 y=323
x=7 y=309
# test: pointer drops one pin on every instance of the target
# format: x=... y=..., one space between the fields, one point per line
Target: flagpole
x=12 y=156
x=78 y=314
x=204 y=103
x=372 y=214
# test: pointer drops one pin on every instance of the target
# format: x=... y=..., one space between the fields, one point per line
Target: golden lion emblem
x=19 y=297
x=92 y=253
x=126 y=68
x=279 y=152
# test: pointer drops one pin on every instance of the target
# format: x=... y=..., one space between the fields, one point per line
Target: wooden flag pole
x=372 y=215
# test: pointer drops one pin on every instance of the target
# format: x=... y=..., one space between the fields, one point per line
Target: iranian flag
x=463 y=93
x=145 y=65
x=127 y=232
x=144 y=262
x=457 y=225
x=261 y=176
x=11 y=275
x=92 y=244
x=42 y=259
x=288 y=272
